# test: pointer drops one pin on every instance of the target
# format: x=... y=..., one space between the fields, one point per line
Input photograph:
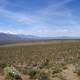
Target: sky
x=46 y=18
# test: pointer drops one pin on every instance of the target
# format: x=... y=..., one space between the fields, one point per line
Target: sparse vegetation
x=11 y=73
x=41 y=61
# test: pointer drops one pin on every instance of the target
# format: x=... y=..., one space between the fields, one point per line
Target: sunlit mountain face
x=44 y=18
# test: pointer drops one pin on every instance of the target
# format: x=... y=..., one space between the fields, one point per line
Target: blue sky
x=40 y=17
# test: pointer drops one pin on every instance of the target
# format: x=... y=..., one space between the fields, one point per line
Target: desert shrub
x=31 y=71
x=10 y=72
x=3 y=65
x=56 y=70
x=41 y=76
x=37 y=74
x=44 y=64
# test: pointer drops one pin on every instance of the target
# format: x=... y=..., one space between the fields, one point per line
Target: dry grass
x=58 y=53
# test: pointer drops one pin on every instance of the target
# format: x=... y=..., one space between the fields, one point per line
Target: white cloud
x=37 y=20
x=42 y=15
x=45 y=31
x=16 y=16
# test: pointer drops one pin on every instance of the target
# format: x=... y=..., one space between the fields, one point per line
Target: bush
x=37 y=74
x=3 y=65
x=41 y=76
x=10 y=72
x=31 y=71
x=56 y=71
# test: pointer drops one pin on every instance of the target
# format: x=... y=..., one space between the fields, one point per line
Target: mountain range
x=8 y=38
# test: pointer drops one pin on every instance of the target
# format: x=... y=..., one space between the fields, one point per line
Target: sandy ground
x=67 y=74
x=23 y=77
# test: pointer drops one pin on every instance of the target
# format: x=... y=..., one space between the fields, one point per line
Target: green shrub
x=56 y=71
x=41 y=76
x=9 y=72
x=3 y=65
x=31 y=71
x=37 y=74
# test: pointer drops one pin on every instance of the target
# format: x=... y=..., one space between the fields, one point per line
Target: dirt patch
x=69 y=73
x=25 y=77
x=1 y=77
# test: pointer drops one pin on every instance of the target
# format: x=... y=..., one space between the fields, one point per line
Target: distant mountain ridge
x=7 y=37
x=28 y=36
